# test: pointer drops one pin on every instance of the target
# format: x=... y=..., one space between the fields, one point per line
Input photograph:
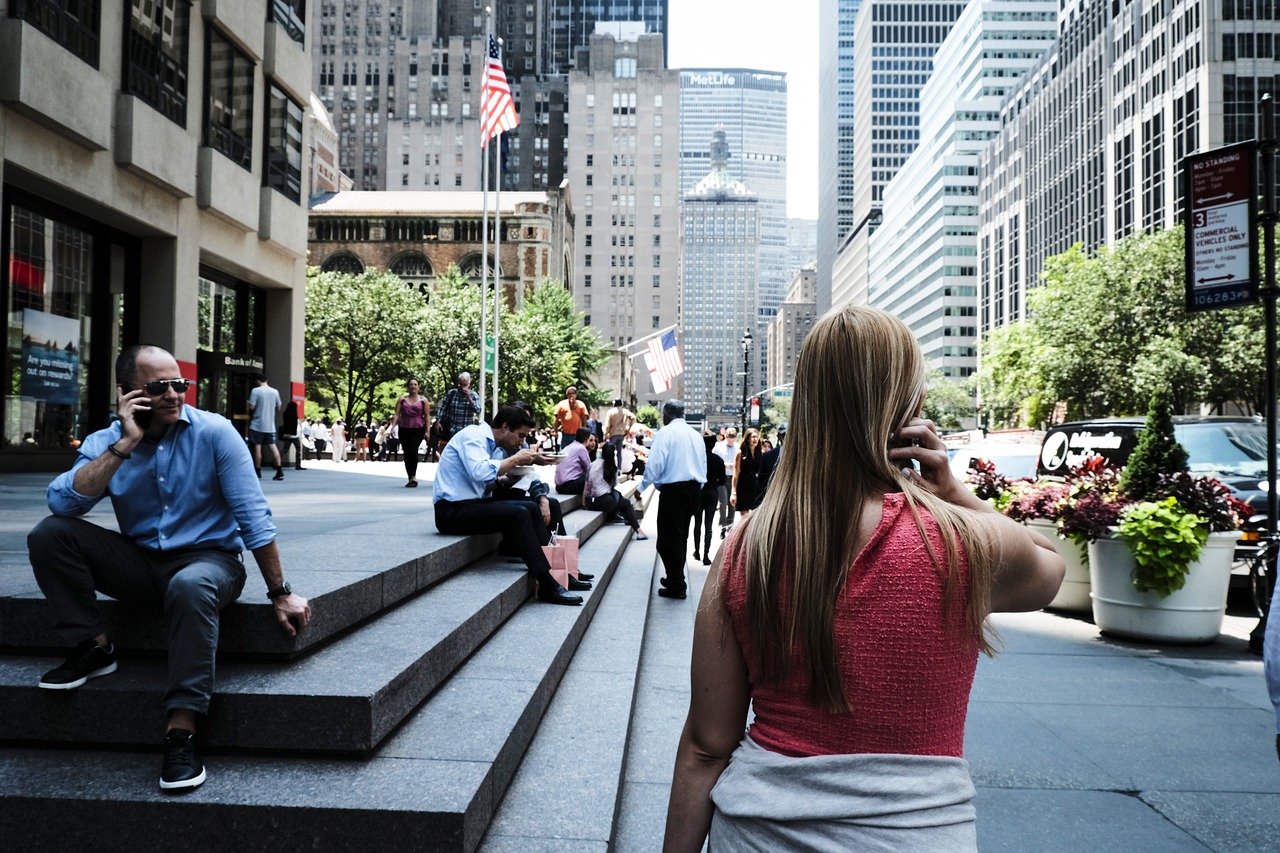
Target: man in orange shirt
x=571 y=416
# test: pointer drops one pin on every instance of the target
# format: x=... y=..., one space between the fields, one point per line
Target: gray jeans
x=73 y=558
x=723 y=492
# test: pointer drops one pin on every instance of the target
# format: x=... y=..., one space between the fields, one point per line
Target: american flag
x=497 y=110
x=663 y=358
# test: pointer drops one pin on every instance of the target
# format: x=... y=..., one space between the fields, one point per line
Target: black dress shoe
x=695 y=554
x=583 y=576
x=668 y=585
x=556 y=594
x=578 y=583
x=677 y=592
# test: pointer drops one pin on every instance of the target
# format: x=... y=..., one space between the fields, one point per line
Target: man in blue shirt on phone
x=182 y=484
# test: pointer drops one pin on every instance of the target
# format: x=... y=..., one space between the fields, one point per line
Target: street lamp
x=746 y=377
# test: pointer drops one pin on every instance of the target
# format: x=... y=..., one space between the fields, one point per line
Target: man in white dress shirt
x=677 y=465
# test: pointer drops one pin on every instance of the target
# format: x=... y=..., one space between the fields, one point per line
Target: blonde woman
x=849 y=613
x=745 y=492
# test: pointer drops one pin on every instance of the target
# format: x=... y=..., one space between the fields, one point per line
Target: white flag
x=659 y=381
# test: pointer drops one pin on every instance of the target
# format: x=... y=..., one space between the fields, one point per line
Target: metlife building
x=751 y=107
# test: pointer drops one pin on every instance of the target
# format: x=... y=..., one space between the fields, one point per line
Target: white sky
x=769 y=36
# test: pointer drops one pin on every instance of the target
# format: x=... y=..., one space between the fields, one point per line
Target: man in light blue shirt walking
x=678 y=467
x=187 y=502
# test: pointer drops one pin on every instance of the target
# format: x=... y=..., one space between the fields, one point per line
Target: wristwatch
x=283 y=589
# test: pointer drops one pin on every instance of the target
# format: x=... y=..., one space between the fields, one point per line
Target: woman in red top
x=849 y=613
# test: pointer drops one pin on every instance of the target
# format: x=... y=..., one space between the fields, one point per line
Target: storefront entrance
x=225 y=382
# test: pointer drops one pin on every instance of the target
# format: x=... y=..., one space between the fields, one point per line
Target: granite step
x=349 y=576
x=345 y=698
x=432 y=786
x=578 y=754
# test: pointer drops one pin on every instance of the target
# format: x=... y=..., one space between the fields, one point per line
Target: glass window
x=229 y=100
x=284 y=145
x=155 y=66
x=74 y=24
x=50 y=278
x=292 y=15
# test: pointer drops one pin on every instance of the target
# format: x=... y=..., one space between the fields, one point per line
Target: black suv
x=1231 y=449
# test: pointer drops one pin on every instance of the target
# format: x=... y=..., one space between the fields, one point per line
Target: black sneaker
x=182 y=768
x=279 y=474
x=89 y=660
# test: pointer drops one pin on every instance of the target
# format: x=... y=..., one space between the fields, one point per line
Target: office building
x=152 y=168
x=894 y=45
x=720 y=278
x=623 y=143
x=835 y=136
x=923 y=257
x=790 y=326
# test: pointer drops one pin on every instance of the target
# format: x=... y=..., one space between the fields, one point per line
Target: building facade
x=791 y=325
x=750 y=106
x=922 y=259
x=623 y=147
x=720 y=276
x=1091 y=142
x=418 y=235
x=152 y=168
x=836 y=20
x=894 y=46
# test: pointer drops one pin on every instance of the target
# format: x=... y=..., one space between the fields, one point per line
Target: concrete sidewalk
x=1077 y=742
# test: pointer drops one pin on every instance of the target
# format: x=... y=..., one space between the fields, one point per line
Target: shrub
x=1158 y=452
x=1165 y=540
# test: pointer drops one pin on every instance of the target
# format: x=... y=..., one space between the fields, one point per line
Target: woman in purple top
x=413 y=410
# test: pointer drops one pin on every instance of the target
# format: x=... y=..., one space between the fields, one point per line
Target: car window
x=1230 y=449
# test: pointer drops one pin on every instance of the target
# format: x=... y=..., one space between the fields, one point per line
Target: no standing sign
x=1221 y=228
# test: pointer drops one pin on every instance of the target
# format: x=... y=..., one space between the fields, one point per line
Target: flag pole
x=497 y=257
x=484 y=216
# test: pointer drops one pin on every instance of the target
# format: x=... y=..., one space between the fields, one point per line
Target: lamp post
x=746 y=377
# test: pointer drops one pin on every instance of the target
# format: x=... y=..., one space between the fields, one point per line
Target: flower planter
x=1193 y=614
x=1073 y=595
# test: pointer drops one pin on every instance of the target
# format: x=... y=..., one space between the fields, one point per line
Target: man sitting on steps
x=187 y=502
x=464 y=483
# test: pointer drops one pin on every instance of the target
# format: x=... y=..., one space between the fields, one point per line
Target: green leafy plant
x=1158 y=452
x=1165 y=540
x=1039 y=500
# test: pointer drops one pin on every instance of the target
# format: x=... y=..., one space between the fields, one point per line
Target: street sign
x=1220 y=191
x=785 y=392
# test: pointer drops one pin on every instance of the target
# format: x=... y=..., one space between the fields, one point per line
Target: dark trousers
x=518 y=520
x=411 y=439
x=287 y=441
x=704 y=519
x=614 y=502
x=72 y=558
x=567 y=438
x=676 y=507
x=572 y=487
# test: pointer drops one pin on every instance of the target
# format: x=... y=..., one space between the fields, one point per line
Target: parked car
x=1012 y=459
x=1230 y=449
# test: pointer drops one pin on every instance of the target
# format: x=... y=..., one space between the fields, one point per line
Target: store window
x=229 y=336
x=49 y=295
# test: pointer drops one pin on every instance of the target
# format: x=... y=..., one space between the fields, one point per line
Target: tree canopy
x=1103 y=331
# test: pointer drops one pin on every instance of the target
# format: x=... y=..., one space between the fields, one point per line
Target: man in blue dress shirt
x=678 y=467
x=187 y=502
x=464 y=501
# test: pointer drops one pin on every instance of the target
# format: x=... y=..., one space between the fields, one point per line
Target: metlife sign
x=1221 y=228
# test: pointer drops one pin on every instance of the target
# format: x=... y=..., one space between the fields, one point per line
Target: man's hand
x=541 y=458
x=292 y=612
x=128 y=406
x=544 y=504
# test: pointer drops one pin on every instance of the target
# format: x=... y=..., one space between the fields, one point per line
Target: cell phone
x=143 y=419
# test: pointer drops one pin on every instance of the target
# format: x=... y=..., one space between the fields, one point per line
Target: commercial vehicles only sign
x=1221 y=228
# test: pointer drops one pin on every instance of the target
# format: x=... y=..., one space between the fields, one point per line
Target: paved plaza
x=1077 y=742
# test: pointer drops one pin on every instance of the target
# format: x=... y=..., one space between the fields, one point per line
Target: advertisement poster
x=50 y=357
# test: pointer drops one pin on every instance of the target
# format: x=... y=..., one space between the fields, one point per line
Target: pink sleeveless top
x=413 y=416
x=906 y=676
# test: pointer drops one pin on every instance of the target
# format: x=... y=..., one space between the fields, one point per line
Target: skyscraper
x=835 y=136
x=719 y=288
x=922 y=259
x=750 y=106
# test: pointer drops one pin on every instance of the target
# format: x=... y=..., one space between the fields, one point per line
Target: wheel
x=1261 y=579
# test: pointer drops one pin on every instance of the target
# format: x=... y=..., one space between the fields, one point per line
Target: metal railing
x=74 y=24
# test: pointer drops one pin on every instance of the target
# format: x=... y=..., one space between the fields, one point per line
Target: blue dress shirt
x=194 y=488
x=1271 y=653
x=467 y=468
x=678 y=454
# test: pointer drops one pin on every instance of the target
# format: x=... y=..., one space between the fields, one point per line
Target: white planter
x=1193 y=614
x=1073 y=595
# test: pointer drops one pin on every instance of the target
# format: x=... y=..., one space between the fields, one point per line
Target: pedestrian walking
x=746 y=468
x=460 y=407
x=708 y=499
x=677 y=466
x=264 y=415
x=413 y=410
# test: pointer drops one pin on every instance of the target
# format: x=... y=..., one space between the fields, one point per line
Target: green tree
x=359 y=337
x=948 y=402
x=1157 y=452
x=649 y=416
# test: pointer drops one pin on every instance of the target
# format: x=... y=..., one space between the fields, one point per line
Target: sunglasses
x=157 y=387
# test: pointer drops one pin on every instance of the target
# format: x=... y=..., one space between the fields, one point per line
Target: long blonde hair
x=861 y=376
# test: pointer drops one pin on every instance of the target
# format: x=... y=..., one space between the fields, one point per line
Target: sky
x=758 y=34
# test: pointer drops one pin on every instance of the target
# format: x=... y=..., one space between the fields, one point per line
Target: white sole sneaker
x=185 y=783
x=71 y=685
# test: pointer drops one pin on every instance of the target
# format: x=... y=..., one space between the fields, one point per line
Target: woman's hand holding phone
x=918 y=444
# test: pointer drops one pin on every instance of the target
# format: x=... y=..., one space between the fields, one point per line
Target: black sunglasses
x=156 y=387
